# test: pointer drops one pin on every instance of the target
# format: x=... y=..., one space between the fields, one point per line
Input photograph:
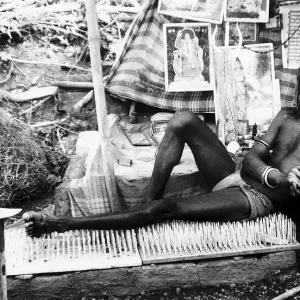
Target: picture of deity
x=187 y=62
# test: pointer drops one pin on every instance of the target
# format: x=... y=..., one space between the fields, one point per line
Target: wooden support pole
x=99 y=94
x=3 y=286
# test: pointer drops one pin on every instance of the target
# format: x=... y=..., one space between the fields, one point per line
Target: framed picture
x=211 y=11
x=251 y=11
x=249 y=33
x=188 y=57
x=246 y=88
x=242 y=127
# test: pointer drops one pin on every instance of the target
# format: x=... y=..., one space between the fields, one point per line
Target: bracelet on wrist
x=262 y=174
x=266 y=177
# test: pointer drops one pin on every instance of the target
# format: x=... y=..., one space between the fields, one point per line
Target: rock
x=24 y=277
x=237 y=258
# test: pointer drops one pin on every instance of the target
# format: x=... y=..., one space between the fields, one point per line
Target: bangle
x=266 y=178
x=262 y=174
x=263 y=143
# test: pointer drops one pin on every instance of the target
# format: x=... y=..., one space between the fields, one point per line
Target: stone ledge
x=144 y=279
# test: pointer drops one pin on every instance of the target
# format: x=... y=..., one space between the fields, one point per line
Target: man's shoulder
x=286 y=113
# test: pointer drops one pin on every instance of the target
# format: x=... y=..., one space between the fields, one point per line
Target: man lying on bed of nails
x=268 y=182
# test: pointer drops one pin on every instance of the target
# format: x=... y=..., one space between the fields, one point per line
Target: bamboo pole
x=3 y=284
x=107 y=162
x=4 y=213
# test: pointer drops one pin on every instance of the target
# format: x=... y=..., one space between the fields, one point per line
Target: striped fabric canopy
x=138 y=72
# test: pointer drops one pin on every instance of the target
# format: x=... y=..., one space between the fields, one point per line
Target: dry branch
x=80 y=57
x=34 y=107
x=71 y=84
x=42 y=63
x=84 y=100
x=117 y=9
x=66 y=31
x=49 y=123
x=288 y=294
x=34 y=93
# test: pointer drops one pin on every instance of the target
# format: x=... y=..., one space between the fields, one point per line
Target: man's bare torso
x=285 y=156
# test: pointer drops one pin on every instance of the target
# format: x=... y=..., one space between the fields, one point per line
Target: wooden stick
x=116 y=9
x=84 y=100
x=30 y=95
x=3 y=284
x=79 y=58
x=48 y=123
x=66 y=31
x=34 y=62
x=288 y=294
x=34 y=107
x=72 y=84
x=94 y=42
x=73 y=78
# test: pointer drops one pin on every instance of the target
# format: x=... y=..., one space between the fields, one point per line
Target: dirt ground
x=267 y=290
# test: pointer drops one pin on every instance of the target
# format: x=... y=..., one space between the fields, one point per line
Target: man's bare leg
x=212 y=160
x=224 y=205
x=211 y=157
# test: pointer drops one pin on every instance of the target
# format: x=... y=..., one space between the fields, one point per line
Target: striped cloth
x=88 y=196
x=138 y=72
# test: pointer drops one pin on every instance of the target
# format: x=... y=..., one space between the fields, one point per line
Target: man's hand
x=293 y=178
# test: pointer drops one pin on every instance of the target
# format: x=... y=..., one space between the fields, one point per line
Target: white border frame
x=275 y=101
x=211 y=86
x=195 y=16
x=244 y=42
x=247 y=20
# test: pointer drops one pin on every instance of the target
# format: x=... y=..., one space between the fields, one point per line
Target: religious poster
x=198 y=10
x=249 y=33
x=251 y=11
x=188 y=57
x=247 y=88
x=290 y=31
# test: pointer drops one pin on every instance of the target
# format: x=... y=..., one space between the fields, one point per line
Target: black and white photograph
x=198 y=10
x=188 y=57
x=249 y=33
x=249 y=96
x=145 y=157
x=256 y=11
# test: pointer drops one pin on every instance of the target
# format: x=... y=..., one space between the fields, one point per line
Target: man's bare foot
x=37 y=224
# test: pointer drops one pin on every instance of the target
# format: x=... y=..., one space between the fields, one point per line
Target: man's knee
x=182 y=119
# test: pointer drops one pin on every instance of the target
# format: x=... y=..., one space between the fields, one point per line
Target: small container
x=133 y=118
